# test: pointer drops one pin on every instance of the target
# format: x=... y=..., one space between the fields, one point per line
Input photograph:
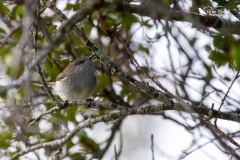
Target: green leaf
x=218 y=41
x=17 y=11
x=52 y=70
x=73 y=7
x=2 y=31
x=48 y=151
x=126 y=92
x=69 y=145
x=71 y=112
x=112 y=19
x=5 y=135
x=87 y=142
x=4 y=94
x=3 y=8
x=52 y=28
x=219 y=58
x=222 y=2
x=235 y=53
x=192 y=41
x=112 y=16
x=103 y=81
x=144 y=49
x=128 y=19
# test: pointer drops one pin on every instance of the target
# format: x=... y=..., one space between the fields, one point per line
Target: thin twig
x=152 y=146
x=204 y=97
x=116 y=126
x=115 y=152
x=225 y=96
x=222 y=134
x=4 y=40
x=46 y=88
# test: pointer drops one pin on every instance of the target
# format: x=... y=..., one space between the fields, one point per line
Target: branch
x=224 y=27
x=115 y=115
x=209 y=21
x=116 y=126
x=152 y=146
x=177 y=106
x=5 y=39
x=107 y=105
x=90 y=121
x=225 y=96
x=219 y=136
x=222 y=134
x=70 y=23
x=104 y=58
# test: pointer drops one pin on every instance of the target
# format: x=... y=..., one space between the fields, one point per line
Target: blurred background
x=170 y=45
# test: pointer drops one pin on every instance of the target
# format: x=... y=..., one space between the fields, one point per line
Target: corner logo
x=210 y=11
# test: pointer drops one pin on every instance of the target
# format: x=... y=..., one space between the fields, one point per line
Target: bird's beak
x=90 y=58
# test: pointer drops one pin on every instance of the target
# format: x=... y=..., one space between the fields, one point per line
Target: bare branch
x=225 y=96
x=152 y=146
x=90 y=121
x=108 y=105
x=115 y=152
x=222 y=134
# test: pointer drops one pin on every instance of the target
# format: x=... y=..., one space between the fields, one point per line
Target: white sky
x=169 y=138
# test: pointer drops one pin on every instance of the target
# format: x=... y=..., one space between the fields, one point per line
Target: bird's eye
x=80 y=62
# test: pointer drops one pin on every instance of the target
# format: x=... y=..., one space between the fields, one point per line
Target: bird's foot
x=65 y=104
x=89 y=102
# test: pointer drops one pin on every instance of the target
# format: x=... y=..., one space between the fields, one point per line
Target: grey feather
x=77 y=81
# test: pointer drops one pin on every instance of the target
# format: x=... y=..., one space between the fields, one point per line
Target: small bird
x=77 y=81
x=202 y=13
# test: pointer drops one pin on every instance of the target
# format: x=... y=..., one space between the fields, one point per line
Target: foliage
x=164 y=44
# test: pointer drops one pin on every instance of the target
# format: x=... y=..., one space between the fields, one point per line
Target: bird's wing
x=70 y=67
x=65 y=73
x=61 y=76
